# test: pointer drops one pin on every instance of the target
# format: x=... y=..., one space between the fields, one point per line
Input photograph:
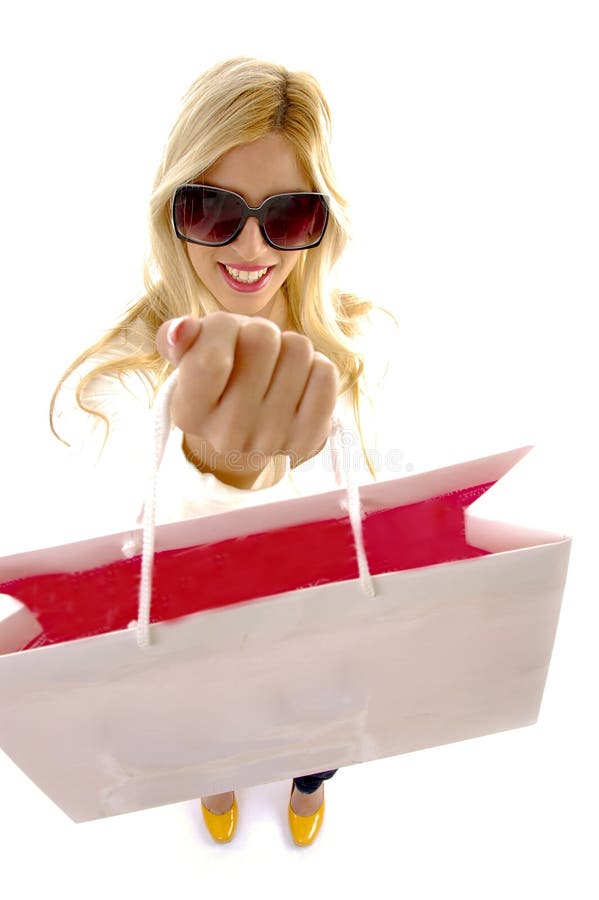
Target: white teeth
x=244 y=276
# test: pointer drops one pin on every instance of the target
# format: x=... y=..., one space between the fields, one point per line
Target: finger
x=240 y=411
x=256 y=354
x=289 y=381
x=312 y=422
x=176 y=336
x=205 y=369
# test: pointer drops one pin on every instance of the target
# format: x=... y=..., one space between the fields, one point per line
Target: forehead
x=259 y=169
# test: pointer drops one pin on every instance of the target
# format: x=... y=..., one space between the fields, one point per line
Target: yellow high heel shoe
x=221 y=827
x=305 y=828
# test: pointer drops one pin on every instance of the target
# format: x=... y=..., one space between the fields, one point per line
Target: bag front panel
x=441 y=653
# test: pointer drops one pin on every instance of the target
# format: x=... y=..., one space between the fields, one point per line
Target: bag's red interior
x=80 y=604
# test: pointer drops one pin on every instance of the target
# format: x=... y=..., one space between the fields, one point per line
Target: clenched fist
x=246 y=392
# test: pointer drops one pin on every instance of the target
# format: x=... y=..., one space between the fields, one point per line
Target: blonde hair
x=233 y=103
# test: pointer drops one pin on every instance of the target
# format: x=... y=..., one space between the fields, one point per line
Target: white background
x=466 y=140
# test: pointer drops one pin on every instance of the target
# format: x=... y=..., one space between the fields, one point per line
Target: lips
x=239 y=283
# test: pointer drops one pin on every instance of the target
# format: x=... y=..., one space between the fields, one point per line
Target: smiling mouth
x=246 y=276
x=246 y=279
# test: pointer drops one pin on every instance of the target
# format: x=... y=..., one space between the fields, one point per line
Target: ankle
x=219 y=803
x=304 y=804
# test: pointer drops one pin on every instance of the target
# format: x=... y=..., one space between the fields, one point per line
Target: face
x=256 y=171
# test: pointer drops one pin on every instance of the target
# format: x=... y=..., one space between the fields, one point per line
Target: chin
x=245 y=306
x=258 y=300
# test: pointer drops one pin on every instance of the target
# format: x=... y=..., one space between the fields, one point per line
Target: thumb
x=176 y=336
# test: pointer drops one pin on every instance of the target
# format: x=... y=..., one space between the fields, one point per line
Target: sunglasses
x=215 y=217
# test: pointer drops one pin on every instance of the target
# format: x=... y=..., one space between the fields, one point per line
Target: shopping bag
x=280 y=642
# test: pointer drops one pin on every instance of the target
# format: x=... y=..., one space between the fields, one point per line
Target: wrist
x=240 y=470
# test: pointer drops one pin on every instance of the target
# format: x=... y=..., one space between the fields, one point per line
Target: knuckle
x=221 y=326
x=265 y=323
x=324 y=367
x=260 y=332
x=294 y=339
x=297 y=344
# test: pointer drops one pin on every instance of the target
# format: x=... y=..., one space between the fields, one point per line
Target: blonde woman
x=246 y=223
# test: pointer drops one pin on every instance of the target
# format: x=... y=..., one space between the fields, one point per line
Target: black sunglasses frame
x=257 y=212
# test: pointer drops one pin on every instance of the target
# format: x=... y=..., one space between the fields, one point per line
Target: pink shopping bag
x=261 y=626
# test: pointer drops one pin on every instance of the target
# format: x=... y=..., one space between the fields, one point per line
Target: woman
x=245 y=226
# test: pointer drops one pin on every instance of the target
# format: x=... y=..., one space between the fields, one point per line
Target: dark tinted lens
x=295 y=220
x=206 y=214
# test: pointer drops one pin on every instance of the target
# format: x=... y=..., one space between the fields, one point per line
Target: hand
x=247 y=391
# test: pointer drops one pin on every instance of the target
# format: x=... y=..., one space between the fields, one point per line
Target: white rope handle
x=161 y=432
x=162 y=426
x=352 y=505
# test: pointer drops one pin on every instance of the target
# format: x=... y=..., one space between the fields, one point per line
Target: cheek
x=290 y=260
x=199 y=257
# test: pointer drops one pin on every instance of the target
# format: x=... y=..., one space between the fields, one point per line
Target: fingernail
x=173 y=332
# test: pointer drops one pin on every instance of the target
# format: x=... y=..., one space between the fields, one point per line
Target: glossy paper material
x=291 y=683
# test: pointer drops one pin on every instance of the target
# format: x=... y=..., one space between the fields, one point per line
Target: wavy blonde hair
x=233 y=103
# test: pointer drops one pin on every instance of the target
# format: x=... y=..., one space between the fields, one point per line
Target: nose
x=249 y=243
